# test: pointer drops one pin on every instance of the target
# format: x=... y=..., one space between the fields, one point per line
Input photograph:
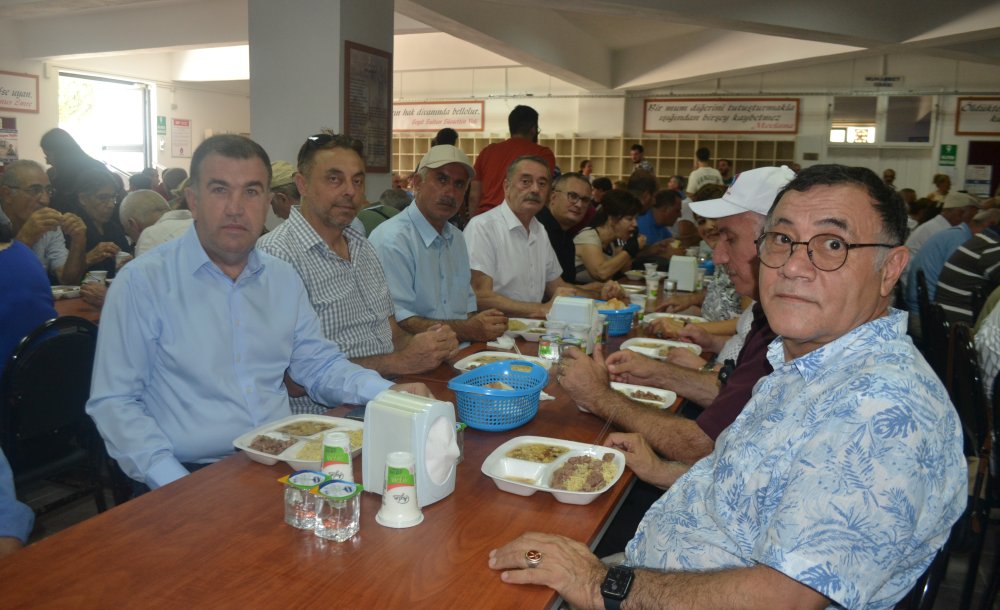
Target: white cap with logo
x=752 y=191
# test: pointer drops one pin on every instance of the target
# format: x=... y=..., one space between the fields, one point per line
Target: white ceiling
x=643 y=44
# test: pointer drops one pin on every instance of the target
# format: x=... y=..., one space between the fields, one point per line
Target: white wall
x=30 y=126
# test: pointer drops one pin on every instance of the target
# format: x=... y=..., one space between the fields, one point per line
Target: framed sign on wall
x=368 y=102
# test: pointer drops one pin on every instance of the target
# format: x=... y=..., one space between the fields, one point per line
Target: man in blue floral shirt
x=840 y=479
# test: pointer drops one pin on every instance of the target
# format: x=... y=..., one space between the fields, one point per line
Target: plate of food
x=629 y=288
x=635 y=274
x=649 y=317
x=658 y=348
x=480 y=358
x=297 y=440
x=65 y=292
x=574 y=473
x=655 y=397
x=527 y=328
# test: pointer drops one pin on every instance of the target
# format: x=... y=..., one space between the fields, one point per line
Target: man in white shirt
x=514 y=268
x=957 y=208
x=704 y=173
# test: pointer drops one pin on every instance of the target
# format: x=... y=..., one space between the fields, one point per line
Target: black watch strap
x=612 y=604
x=616 y=586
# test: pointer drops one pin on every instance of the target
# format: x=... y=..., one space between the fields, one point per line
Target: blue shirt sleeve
x=16 y=519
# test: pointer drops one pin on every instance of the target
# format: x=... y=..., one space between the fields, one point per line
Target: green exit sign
x=949 y=152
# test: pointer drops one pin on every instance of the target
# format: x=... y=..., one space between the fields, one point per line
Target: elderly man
x=425 y=258
x=341 y=270
x=138 y=211
x=741 y=214
x=284 y=193
x=970 y=273
x=514 y=268
x=843 y=475
x=24 y=206
x=956 y=209
x=170 y=226
x=196 y=335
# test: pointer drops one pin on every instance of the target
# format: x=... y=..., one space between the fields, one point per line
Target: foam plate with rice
x=306 y=452
x=524 y=477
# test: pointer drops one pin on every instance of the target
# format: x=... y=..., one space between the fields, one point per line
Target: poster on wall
x=8 y=146
x=721 y=115
x=180 y=137
x=433 y=116
x=18 y=92
x=978 y=116
x=977 y=180
x=368 y=107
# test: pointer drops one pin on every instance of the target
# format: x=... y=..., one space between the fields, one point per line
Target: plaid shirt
x=351 y=298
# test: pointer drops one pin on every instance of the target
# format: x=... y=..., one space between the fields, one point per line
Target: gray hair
x=517 y=161
x=12 y=171
x=144 y=206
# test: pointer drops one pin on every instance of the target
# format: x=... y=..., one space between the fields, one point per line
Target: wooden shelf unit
x=669 y=154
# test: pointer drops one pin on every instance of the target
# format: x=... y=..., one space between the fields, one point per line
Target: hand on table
x=643 y=461
x=487 y=325
x=294 y=390
x=430 y=348
x=100 y=252
x=413 y=388
x=626 y=366
x=665 y=328
x=566 y=566
x=681 y=356
x=93 y=294
x=613 y=290
x=678 y=303
x=584 y=378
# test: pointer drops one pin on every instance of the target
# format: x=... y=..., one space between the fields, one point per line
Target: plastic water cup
x=96 y=277
x=338 y=510
x=650 y=269
x=300 y=503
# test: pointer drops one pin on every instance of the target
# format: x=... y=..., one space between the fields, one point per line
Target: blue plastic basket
x=619 y=320
x=494 y=409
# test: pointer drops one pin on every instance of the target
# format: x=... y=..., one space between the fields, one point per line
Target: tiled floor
x=82 y=509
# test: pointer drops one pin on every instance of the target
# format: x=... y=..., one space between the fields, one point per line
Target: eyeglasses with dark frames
x=827 y=252
x=577 y=197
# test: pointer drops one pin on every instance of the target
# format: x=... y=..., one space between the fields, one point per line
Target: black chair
x=44 y=430
x=993 y=583
x=970 y=401
x=925 y=590
x=923 y=305
x=937 y=342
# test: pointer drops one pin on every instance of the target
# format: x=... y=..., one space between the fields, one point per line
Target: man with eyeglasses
x=425 y=258
x=341 y=270
x=842 y=477
x=24 y=206
x=514 y=268
x=568 y=203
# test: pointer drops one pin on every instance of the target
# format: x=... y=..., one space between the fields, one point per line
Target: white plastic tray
x=288 y=455
x=469 y=361
x=652 y=347
x=527 y=336
x=666 y=397
x=500 y=468
x=649 y=317
x=65 y=292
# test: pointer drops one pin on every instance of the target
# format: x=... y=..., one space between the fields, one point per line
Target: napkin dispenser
x=579 y=311
x=398 y=421
x=684 y=272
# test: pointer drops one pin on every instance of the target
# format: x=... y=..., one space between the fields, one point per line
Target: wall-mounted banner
x=721 y=115
x=18 y=92
x=978 y=116
x=432 y=116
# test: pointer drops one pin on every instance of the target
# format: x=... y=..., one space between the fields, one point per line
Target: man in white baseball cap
x=425 y=259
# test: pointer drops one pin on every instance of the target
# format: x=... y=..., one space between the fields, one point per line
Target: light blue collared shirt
x=16 y=518
x=427 y=272
x=188 y=359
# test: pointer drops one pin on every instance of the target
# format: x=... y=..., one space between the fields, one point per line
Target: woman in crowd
x=943 y=184
x=68 y=162
x=96 y=196
x=597 y=256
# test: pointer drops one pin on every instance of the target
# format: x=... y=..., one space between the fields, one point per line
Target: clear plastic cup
x=338 y=510
x=300 y=503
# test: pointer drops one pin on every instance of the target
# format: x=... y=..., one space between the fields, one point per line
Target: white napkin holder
x=684 y=271
x=399 y=421
x=576 y=310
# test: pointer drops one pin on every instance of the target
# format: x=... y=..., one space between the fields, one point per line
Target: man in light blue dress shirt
x=425 y=259
x=196 y=335
x=841 y=478
x=16 y=518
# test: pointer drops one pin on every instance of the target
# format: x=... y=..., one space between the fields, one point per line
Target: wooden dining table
x=217 y=538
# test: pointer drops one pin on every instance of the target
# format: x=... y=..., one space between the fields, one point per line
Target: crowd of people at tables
x=765 y=485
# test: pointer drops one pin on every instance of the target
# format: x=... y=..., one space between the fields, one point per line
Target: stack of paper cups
x=399 y=501
x=337 y=456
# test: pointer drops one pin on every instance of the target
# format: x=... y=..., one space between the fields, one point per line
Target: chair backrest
x=923 y=304
x=46 y=384
x=967 y=392
x=937 y=342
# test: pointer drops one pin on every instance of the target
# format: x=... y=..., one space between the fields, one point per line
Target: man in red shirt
x=486 y=191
